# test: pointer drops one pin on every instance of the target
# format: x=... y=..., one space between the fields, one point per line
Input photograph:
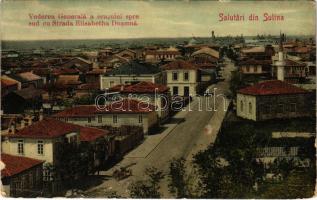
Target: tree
x=148 y=188
x=177 y=175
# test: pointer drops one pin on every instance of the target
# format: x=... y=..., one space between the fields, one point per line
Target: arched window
x=250 y=107
x=241 y=105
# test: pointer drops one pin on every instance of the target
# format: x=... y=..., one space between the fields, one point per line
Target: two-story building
x=126 y=112
x=42 y=139
x=155 y=56
x=258 y=68
x=181 y=77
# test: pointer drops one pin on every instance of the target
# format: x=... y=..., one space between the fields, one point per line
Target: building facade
x=274 y=99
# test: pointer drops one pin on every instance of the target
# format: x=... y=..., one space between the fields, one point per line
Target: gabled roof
x=88 y=134
x=7 y=78
x=208 y=51
x=17 y=164
x=46 y=128
x=7 y=83
x=135 y=68
x=29 y=76
x=78 y=111
x=29 y=93
x=141 y=87
x=179 y=64
x=272 y=87
x=289 y=62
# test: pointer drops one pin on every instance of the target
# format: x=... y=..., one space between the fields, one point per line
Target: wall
x=244 y=111
x=124 y=79
x=131 y=119
x=181 y=83
x=30 y=148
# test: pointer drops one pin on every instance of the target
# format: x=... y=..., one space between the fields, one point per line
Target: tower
x=280 y=64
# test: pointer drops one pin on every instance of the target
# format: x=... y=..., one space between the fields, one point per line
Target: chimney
x=29 y=120
x=41 y=115
x=12 y=129
x=22 y=123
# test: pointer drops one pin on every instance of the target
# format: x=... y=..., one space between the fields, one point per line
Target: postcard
x=158 y=99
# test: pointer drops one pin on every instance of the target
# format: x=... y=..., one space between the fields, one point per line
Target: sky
x=158 y=18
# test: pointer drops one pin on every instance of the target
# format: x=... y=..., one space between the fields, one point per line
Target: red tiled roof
x=17 y=164
x=78 y=111
x=141 y=87
x=30 y=76
x=88 y=134
x=7 y=83
x=289 y=62
x=124 y=106
x=46 y=128
x=179 y=64
x=272 y=87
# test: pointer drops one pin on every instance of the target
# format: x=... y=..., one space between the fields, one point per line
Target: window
x=248 y=68
x=140 y=119
x=89 y=119
x=175 y=90
x=20 y=147
x=241 y=106
x=111 y=83
x=99 y=119
x=115 y=119
x=250 y=108
x=40 y=147
x=47 y=175
x=280 y=108
x=292 y=107
x=186 y=76
x=255 y=68
x=175 y=76
x=72 y=139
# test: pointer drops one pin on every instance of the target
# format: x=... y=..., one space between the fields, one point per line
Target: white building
x=127 y=112
x=181 y=77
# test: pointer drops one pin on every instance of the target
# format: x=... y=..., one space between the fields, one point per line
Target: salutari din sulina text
x=266 y=17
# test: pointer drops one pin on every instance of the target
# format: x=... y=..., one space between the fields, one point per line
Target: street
x=187 y=133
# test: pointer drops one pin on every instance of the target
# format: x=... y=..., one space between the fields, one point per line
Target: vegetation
x=229 y=169
x=148 y=188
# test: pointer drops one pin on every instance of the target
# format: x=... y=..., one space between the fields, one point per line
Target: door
x=186 y=91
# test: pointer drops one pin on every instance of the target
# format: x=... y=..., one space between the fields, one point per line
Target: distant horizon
x=275 y=35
